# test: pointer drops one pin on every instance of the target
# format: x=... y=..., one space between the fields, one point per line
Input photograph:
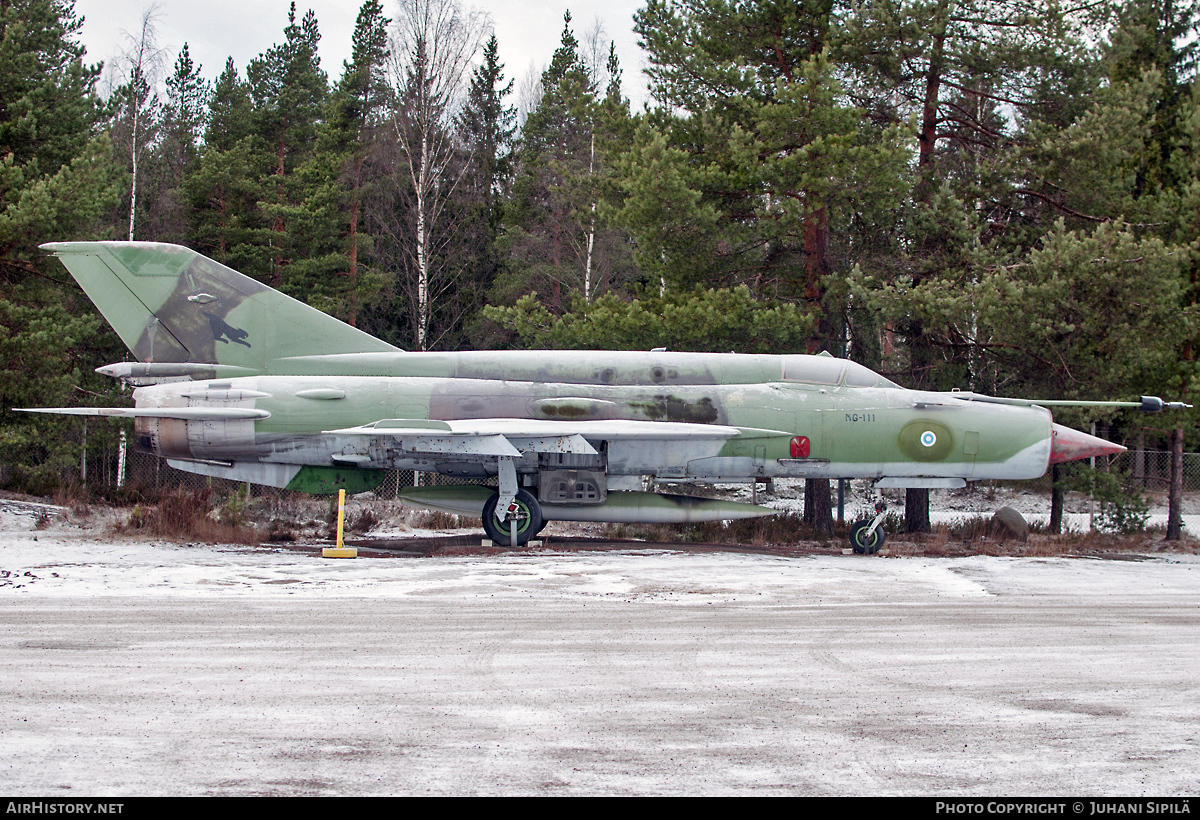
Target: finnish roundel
x=926 y=440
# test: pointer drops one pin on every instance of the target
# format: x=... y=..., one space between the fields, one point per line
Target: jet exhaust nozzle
x=1067 y=444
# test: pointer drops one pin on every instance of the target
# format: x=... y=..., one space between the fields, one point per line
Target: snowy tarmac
x=134 y=668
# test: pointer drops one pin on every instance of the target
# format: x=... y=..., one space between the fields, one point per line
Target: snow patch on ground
x=141 y=667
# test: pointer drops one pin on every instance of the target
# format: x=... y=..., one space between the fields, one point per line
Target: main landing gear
x=511 y=516
x=867 y=536
x=514 y=526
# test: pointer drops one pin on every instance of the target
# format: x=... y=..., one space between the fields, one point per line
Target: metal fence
x=1151 y=469
x=1145 y=470
x=42 y=469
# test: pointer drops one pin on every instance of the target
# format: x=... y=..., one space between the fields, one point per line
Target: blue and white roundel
x=928 y=438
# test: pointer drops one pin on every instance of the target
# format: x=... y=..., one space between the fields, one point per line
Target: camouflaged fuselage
x=851 y=431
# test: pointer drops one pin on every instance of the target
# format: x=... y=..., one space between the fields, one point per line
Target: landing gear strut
x=867 y=536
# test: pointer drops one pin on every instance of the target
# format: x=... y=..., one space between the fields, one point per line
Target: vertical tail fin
x=170 y=304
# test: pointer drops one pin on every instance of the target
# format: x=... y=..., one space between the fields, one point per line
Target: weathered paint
x=328 y=480
x=170 y=304
x=627 y=507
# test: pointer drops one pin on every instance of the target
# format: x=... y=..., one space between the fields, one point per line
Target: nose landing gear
x=867 y=536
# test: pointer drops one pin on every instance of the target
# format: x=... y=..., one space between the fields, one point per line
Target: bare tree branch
x=434 y=44
x=143 y=61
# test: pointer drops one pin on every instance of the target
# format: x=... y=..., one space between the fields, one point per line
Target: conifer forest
x=994 y=195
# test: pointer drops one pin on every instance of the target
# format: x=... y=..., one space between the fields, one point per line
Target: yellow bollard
x=340 y=551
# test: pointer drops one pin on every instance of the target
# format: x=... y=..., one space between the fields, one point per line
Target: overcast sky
x=528 y=31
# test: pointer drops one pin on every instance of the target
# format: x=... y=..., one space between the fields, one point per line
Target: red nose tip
x=1071 y=445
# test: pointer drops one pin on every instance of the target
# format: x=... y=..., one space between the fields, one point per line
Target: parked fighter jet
x=238 y=381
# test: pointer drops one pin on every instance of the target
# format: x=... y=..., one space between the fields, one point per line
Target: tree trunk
x=818 y=510
x=422 y=248
x=591 y=238
x=223 y=225
x=352 y=306
x=277 y=262
x=927 y=136
x=134 y=181
x=818 y=266
x=1175 y=500
x=916 y=501
x=916 y=510
x=1056 y=499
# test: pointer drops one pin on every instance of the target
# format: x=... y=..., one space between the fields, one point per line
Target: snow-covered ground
x=951 y=506
x=131 y=667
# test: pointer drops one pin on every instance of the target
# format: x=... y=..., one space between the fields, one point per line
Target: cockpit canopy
x=826 y=370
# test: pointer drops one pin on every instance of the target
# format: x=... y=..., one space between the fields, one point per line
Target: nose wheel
x=867 y=536
x=520 y=522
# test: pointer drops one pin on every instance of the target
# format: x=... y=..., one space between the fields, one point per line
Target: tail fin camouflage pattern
x=170 y=304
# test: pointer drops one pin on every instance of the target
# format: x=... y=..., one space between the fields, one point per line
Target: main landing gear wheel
x=529 y=520
x=862 y=544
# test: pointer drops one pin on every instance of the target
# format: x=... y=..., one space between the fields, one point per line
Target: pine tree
x=185 y=114
x=47 y=104
x=341 y=174
x=781 y=164
x=776 y=154
x=181 y=126
x=288 y=89
x=223 y=189
x=56 y=182
x=555 y=234
x=486 y=127
x=961 y=69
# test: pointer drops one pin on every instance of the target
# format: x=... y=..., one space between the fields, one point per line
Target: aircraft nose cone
x=1071 y=445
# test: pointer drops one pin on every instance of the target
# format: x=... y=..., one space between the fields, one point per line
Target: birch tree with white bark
x=142 y=62
x=434 y=44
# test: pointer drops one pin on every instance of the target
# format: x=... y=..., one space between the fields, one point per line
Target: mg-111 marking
x=860 y=417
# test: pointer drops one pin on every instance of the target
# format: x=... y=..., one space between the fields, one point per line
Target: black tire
x=859 y=541
x=529 y=520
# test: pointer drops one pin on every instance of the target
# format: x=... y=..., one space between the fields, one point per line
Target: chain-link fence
x=1145 y=470
x=43 y=467
x=1151 y=469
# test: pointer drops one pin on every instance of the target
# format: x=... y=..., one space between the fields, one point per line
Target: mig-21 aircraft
x=236 y=380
